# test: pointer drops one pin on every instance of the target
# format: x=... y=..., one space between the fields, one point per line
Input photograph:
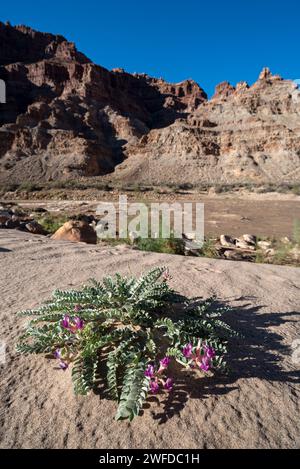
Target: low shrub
x=163 y=245
x=135 y=327
x=51 y=223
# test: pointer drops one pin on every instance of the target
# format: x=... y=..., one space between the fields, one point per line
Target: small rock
x=285 y=240
x=83 y=217
x=132 y=236
x=12 y=224
x=15 y=218
x=191 y=236
x=264 y=245
x=242 y=244
x=35 y=228
x=233 y=255
x=39 y=210
x=22 y=226
x=17 y=212
x=4 y=216
x=76 y=231
x=249 y=238
x=295 y=253
x=227 y=241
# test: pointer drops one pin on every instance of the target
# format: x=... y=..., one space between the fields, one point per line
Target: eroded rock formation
x=67 y=117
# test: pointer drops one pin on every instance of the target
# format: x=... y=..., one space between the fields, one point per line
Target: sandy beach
x=256 y=406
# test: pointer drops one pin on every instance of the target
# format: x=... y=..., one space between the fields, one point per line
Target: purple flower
x=79 y=323
x=187 y=350
x=154 y=386
x=164 y=363
x=65 y=322
x=63 y=365
x=57 y=353
x=168 y=384
x=209 y=351
x=205 y=364
x=149 y=371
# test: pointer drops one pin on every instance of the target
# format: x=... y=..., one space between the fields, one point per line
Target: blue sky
x=209 y=41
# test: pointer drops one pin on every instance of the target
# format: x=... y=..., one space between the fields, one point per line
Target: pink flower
x=164 y=363
x=66 y=321
x=154 y=386
x=209 y=351
x=79 y=323
x=63 y=365
x=149 y=371
x=57 y=353
x=187 y=350
x=168 y=385
x=205 y=364
x=74 y=326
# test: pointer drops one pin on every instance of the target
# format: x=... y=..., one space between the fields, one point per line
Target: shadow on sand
x=4 y=250
x=257 y=355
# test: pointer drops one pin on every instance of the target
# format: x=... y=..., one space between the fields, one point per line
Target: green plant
x=208 y=249
x=28 y=186
x=51 y=223
x=129 y=324
x=296 y=232
x=163 y=245
x=296 y=189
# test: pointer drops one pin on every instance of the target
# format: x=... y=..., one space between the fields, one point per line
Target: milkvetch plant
x=137 y=327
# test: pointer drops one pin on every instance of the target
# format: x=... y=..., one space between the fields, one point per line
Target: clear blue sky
x=209 y=41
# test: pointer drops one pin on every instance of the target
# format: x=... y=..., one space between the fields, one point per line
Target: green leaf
x=134 y=391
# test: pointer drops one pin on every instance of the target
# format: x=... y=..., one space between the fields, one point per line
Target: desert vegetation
x=69 y=186
x=125 y=332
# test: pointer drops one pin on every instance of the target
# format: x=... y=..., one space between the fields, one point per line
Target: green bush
x=296 y=232
x=51 y=223
x=130 y=325
x=162 y=245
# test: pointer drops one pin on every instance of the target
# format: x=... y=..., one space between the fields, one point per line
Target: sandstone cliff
x=66 y=117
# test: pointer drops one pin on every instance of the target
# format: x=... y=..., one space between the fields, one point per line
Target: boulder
x=76 y=231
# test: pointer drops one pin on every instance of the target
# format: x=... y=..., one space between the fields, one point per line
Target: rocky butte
x=66 y=117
